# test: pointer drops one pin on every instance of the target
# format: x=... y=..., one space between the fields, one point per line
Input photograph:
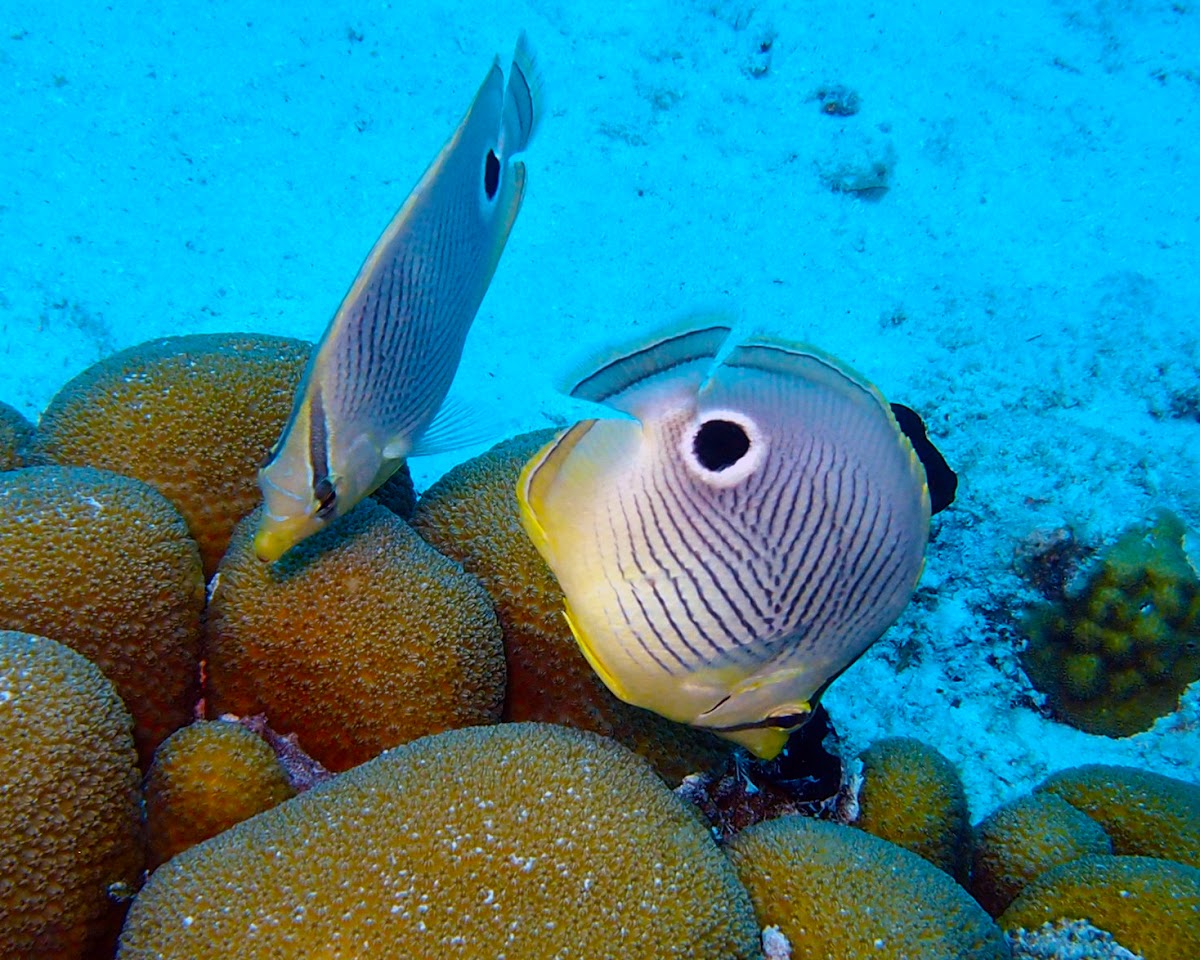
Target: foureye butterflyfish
x=754 y=522
x=371 y=393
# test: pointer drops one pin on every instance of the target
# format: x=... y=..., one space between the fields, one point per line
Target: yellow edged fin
x=589 y=654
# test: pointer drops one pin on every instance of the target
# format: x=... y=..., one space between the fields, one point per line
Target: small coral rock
x=1150 y=906
x=204 y=779
x=105 y=565
x=70 y=810
x=360 y=638
x=520 y=840
x=836 y=891
x=1144 y=813
x=1115 y=655
x=1023 y=840
x=913 y=796
x=472 y=515
x=16 y=437
x=192 y=416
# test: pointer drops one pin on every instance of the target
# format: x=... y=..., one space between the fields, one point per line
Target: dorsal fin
x=664 y=353
x=523 y=106
x=801 y=359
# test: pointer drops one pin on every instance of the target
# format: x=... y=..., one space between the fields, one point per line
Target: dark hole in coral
x=719 y=444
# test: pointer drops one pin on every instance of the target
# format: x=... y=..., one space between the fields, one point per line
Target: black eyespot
x=491 y=175
x=326 y=497
x=719 y=444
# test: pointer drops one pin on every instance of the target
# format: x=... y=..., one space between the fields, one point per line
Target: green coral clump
x=1144 y=813
x=1022 y=840
x=1150 y=906
x=519 y=840
x=16 y=437
x=912 y=796
x=835 y=891
x=1115 y=655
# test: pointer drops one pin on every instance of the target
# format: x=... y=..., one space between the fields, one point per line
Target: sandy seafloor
x=1028 y=281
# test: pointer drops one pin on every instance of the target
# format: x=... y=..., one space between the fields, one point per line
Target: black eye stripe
x=326 y=496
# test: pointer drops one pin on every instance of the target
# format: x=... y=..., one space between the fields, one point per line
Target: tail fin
x=522 y=101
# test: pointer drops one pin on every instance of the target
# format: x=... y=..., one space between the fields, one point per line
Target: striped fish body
x=733 y=547
x=382 y=369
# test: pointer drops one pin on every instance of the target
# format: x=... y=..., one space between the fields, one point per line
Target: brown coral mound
x=104 y=564
x=1150 y=906
x=1144 y=813
x=521 y=840
x=913 y=796
x=204 y=779
x=70 y=816
x=16 y=437
x=471 y=514
x=192 y=416
x=1025 y=838
x=836 y=891
x=360 y=638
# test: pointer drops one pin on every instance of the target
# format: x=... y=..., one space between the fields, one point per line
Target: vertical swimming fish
x=756 y=521
x=376 y=380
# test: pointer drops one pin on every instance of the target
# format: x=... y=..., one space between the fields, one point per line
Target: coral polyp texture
x=1117 y=653
x=70 y=810
x=204 y=779
x=836 y=891
x=104 y=564
x=193 y=416
x=1144 y=813
x=16 y=437
x=471 y=514
x=360 y=638
x=525 y=841
x=1022 y=840
x=1150 y=906
x=912 y=796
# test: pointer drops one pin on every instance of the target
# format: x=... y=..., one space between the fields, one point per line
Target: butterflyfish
x=749 y=519
x=371 y=393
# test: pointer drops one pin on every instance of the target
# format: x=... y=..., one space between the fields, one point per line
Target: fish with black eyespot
x=744 y=523
x=374 y=390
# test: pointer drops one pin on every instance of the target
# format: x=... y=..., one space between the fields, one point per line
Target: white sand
x=1028 y=282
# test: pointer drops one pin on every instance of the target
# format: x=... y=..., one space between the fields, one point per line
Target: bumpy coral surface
x=16 y=437
x=104 y=564
x=913 y=796
x=193 y=416
x=1025 y=838
x=204 y=779
x=360 y=638
x=1150 y=906
x=524 y=841
x=70 y=815
x=1144 y=813
x=836 y=891
x=1117 y=654
x=471 y=514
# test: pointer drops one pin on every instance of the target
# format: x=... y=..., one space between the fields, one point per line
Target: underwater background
x=987 y=209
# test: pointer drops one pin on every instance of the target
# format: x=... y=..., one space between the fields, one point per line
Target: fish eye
x=491 y=174
x=326 y=497
x=719 y=444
